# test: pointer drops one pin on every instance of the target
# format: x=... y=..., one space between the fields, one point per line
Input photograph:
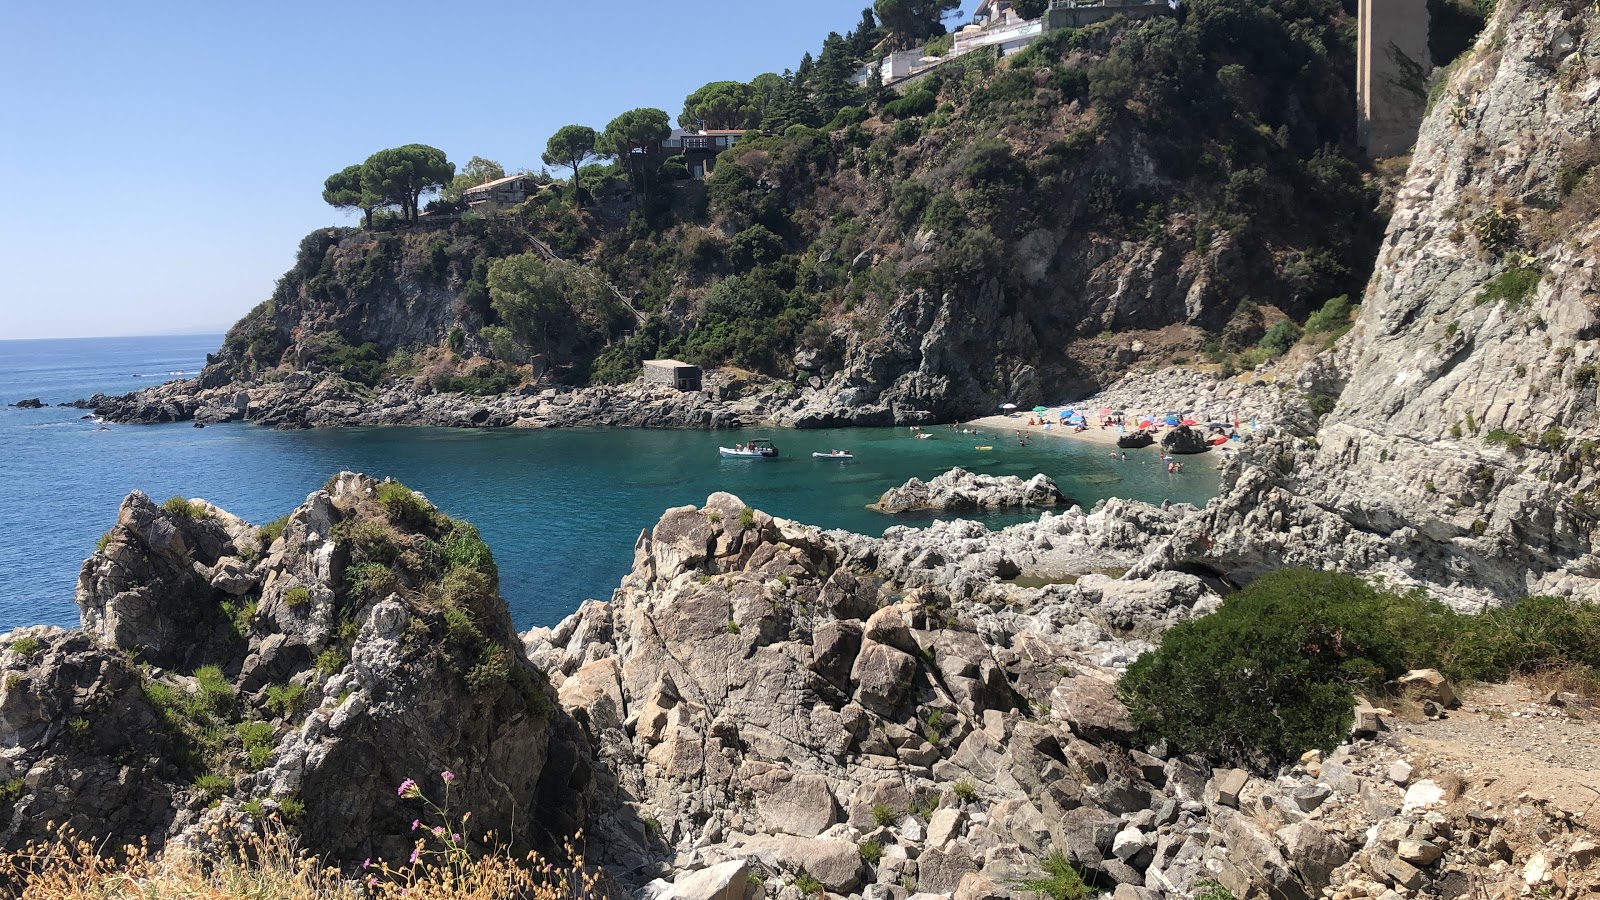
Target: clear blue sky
x=164 y=158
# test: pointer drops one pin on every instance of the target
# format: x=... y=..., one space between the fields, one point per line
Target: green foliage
x=492 y=670
x=297 y=596
x=1061 y=882
x=965 y=791
x=286 y=700
x=1206 y=889
x=483 y=380
x=1515 y=285
x=917 y=103
x=403 y=506
x=456 y=339
x=26 y=646
x=185 y=509
x=401 y=175
x=101 y=542
x=464 y=548
x=477 y=171
x=882 y=815
x=1280 y=337
x=1273 y=672
x=329 y=352
x=213 y=787
x=330 y=661
x=571 y=146
x=268 y=534
x=722 y=104
x=12 y=790
x=256 y=738
x=370 y=581
x=1507 y=439
x=1553 y=438
x=291 y=809
x=871 y=852
x=344 y=190
x=911 y=21
x=1497 y=231
x=747 y=518
x=808 y=885
x=1333 y=318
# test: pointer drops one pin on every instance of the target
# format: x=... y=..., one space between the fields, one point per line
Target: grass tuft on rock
x=1061 y=881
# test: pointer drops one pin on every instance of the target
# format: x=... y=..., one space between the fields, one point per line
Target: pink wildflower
x=438 y=831
x=416 y=824
x=456 y=837
x=372 y=881
x=415 y=853
x=408 y=788
x=366 y=863
x=448 y=776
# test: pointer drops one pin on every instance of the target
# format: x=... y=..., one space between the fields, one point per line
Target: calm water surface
x=561 y=508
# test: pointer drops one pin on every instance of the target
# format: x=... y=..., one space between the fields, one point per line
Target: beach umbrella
x=1145 y=423
x=1008 y=406
x=1066 y=414
x=1190 y=422
x=1172 y=420
x=1041 y=409
x=1106 y=411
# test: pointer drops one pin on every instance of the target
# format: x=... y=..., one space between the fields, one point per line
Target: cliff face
x=1461 y=453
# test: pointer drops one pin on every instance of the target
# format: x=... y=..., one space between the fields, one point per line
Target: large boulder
x=961 y=491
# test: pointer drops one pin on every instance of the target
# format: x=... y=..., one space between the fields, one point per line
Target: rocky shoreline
x=761 y=706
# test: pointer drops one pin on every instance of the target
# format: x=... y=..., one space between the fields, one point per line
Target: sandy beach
x=1009 y=426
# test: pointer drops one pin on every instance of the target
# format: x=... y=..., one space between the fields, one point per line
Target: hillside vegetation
x=1196 y=170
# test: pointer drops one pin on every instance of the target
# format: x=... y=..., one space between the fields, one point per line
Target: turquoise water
x=561 y=508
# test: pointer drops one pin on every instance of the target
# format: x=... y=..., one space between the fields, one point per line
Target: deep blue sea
x=561 y=508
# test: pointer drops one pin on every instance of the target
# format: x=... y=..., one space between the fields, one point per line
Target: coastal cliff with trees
x=997 y=228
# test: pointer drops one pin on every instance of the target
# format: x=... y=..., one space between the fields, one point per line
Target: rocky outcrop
x=961 y=491
x=1459 y=456
x=306 y=400
x=31 y=403
x=224 y=672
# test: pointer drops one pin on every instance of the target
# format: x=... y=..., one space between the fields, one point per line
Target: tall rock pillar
x=1392 y=68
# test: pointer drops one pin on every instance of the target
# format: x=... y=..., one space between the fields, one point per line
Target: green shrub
x=27 y=646
x=1061 y=881
x=1280 y=337
x=808 y=885
x=1272 y=673
x=464 y=548
x=256 y=738
x=491 y=670
x=1531 y=635
x=965 y=791
x=370 y=581
x=882 y=815
x=1504 y=438
x=268 y=534
x=184 y=509
x=871 y=852
x=297 y=596
x=1553 y=438
x=1334 y=316
x=916 y=103
x=291 y=809
x=100 y=545
x=330 y=661
x=213 y=786
x=747 y=517
x=12 y=789
x=403 y=505
x=1515 y=285
x=286 y=700
x=1206 y=889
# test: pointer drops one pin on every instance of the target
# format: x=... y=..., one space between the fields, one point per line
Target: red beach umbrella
x=1190 y=422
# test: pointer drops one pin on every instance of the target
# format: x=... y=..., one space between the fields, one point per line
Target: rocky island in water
x=1367 y=670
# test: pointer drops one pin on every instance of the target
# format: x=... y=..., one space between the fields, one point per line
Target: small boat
x=836 y=454
x=985 y=447
x=924 y=436
x=756 y=449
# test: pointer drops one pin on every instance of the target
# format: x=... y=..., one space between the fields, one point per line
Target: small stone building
x=672 y=373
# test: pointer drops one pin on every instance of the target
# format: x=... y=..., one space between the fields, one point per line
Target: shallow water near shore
x=561 y=508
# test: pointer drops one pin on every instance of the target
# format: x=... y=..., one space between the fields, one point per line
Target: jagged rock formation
x=961 y=491
x=1460 y=455
x=225 y=671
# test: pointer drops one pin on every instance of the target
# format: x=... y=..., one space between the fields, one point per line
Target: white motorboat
x=756 y=449
x=836 y=454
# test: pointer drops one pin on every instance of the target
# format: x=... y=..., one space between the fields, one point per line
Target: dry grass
x=272 y=866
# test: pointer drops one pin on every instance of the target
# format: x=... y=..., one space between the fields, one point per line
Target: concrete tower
x=1392 y=66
